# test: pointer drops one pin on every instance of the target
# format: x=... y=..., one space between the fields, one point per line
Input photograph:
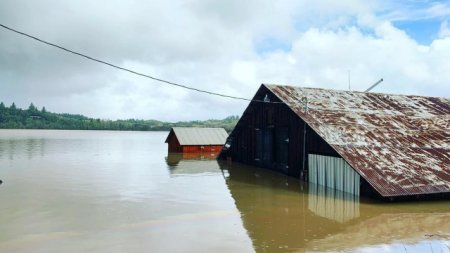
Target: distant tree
x=14 y=117
x=32 y=108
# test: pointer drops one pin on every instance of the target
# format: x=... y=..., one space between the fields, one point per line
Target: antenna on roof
x=373 y=85
x=348 y=80
x=305 y=103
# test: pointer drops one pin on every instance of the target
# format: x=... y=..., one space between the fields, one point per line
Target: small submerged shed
x=196 y=140
x=382 y=144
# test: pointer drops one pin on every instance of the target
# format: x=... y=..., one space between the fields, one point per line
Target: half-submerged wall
x=333 y=172
x=173 y=143
x=202 y=148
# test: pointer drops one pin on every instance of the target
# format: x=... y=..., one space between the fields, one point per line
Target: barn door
x=264 y=147
x=259 y=146
x=281 y=148
x=268 y=147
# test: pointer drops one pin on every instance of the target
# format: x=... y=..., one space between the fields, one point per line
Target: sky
x=229 y=47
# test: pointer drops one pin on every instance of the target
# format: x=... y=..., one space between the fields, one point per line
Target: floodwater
x=103 y=191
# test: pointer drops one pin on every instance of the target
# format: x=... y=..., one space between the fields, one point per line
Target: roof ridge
x=351 y=91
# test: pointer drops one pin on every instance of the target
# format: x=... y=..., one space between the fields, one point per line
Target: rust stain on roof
x=399 y=144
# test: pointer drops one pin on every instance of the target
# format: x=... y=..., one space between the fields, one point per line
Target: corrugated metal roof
x=399 y=144
x=200 y=135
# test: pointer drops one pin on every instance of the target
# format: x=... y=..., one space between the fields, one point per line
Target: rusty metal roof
x=200 y=135
x=399 y=144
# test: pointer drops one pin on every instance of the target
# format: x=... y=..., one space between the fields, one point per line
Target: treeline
x=33 y=118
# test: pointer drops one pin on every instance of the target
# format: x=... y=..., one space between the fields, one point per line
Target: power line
x=125 y=69
x=265 y=100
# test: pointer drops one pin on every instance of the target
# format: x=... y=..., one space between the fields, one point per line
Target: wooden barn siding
x=202 y=149
x=175 y=147
x=269 y=115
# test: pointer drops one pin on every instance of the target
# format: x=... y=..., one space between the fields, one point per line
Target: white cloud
x=243 y=72
x=324 y=57
x=414 y=10
x=444 y=30
x=210 y=45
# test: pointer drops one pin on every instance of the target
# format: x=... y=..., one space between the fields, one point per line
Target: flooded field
x=102 y=191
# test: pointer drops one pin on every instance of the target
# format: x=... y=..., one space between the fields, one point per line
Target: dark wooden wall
x=265 y=124
x=173 y=143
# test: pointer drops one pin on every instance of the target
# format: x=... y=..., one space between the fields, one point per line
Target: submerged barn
x=387 y=145
x=196 y=140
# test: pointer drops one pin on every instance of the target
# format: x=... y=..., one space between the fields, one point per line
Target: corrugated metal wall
x=333 y=172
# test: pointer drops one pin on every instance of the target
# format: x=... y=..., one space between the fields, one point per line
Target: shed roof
x=200 y=135
x=399 y=144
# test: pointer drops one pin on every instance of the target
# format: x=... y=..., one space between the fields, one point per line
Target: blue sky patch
x=422 y=31
x=268 y=45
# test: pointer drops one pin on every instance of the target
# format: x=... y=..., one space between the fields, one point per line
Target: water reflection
x=28 y=147
x=284 y=215
x=180 y=164
x=410 y=229
x=104 y=191
x=332 y=204
x=86 y=191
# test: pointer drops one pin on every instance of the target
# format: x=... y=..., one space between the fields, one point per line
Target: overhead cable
x=122 y=68
x=138 y=73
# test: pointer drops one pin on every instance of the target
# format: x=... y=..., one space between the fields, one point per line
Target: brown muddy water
x=102 y=191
